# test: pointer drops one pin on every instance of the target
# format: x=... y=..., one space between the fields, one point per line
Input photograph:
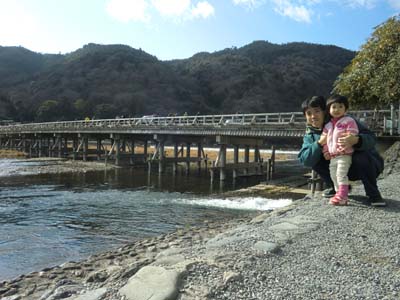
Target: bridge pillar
x=132 y=157
x=199 y=151
x=272 y=160
x=257 y=157
x=49 y=142
x=60 y=146
x=98 y=148
x=246 y=158
x=39 y=147
x=222 y=157
x=235 y=159
x=24 y=144
x=52 y=143
x=123 y=145
x=117 y=142
x=161 y=156
x=85 y=144
x=175 y=163
x=31 y=145
x=145 y=150
x=74 y=147
x=188 y=158
x=65 y=147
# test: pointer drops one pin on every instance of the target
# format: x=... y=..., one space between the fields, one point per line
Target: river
x=46 y=220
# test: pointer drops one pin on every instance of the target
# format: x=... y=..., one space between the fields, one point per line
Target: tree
x=48 y=111
x=82 y=108
x=105 y=111
x=373 y=77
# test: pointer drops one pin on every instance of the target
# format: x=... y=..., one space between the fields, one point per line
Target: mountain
x=103 y=81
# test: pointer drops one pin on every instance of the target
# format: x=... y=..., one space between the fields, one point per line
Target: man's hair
x=337 y=99
x=315 y=101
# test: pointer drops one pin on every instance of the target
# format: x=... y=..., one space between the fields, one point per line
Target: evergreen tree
x=373 y=77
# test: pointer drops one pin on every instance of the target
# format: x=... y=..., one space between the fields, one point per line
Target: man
x=367 y=164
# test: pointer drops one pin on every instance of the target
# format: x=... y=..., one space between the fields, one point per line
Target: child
x=340 y=157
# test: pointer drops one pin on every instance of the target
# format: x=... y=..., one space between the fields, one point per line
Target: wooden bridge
x=117 y=139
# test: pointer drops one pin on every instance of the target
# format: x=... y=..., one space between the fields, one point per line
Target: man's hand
x=327 y=156
x=322 y=139
x=348 y=140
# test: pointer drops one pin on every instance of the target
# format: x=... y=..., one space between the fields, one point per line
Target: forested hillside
x=103 y=81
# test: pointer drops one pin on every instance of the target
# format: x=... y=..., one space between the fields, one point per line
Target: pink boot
x=341 y=197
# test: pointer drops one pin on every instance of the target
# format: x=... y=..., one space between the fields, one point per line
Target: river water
x=46 y=220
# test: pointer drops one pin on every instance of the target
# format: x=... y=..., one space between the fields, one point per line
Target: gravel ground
x=348 y=252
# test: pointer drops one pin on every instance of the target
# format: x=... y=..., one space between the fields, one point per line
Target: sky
x=176 y=29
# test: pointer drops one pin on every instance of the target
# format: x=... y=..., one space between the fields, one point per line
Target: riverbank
x=308 y=250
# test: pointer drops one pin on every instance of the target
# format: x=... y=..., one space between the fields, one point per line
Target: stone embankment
x=308 y=250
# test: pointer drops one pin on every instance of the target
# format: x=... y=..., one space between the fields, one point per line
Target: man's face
x=315 y=117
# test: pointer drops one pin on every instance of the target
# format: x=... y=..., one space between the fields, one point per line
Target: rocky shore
x=308 y=250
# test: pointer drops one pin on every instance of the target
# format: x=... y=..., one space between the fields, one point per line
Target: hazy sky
x=172 y=29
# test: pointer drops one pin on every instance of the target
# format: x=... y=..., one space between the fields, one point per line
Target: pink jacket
x=334 y=130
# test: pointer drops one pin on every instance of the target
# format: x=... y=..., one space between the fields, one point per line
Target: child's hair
x=315 y=101
x=337 y=99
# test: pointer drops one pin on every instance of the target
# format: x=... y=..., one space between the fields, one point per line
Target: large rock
x=92 y=295
x=392 y=160
x=266 y=247
x=151 y=282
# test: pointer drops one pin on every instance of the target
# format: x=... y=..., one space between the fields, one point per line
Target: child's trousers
x=339 y=168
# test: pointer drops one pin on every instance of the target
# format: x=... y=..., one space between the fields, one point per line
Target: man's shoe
x=328 y=193
x=377 y=201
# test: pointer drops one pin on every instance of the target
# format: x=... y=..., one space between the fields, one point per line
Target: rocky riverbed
x=308 y=250
x=46 y=165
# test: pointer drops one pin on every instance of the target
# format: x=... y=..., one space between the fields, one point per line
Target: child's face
x=315 y=117
x=337 y=110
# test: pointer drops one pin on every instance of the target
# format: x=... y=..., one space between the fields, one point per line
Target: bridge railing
x=155 y=121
